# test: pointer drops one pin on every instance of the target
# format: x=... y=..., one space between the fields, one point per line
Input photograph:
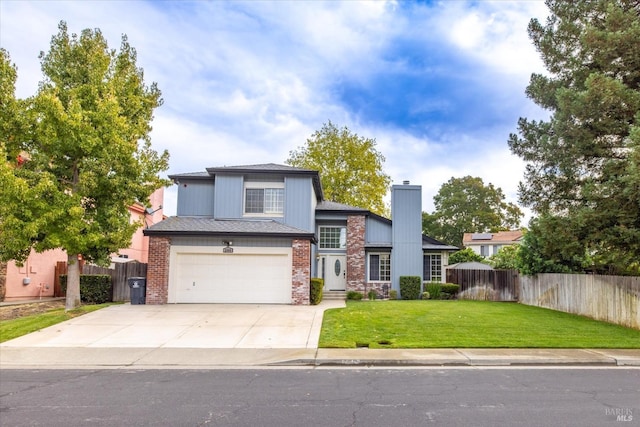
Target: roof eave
x=170 y=233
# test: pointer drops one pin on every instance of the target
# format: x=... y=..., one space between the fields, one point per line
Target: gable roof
x=431 y=243
x=506 y=237
x=327 y=205
x=184 y=226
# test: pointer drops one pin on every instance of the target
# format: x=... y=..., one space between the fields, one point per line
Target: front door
x=334 y=272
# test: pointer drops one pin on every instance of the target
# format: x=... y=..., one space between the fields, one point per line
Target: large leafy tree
x=465 y=255
x=583 y=163
x=89 y=154
x=465 y=205
x=350 y=167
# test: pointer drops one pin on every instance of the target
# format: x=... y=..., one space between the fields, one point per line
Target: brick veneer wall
x=158 y=270
x=301 y=272
x=355 y=253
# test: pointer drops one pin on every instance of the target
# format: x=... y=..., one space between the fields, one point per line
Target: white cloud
x=494 y=33
x=247 y=82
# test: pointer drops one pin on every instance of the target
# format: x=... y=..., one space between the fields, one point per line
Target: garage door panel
x=231 y=278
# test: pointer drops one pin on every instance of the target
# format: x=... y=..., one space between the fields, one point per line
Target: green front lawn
x=14 y=328
x=466 y=324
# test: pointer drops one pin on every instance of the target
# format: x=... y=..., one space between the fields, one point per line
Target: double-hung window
x=432 y=268
x=379 y=267
x=264 y=200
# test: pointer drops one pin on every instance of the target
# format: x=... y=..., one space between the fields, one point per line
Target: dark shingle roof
x=326 y=205
x=265 y=167
x=191 y=175
x=208 y=226
x=431 y=243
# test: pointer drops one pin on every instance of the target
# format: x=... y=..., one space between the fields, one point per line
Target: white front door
x=334 y=272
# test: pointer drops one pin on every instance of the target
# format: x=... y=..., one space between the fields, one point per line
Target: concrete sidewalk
x=209 y=358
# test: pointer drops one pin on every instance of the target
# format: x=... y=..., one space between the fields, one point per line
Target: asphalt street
x=322 y=397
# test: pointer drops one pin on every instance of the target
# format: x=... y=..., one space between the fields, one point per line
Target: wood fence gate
x=119 y=275
x=489 y=285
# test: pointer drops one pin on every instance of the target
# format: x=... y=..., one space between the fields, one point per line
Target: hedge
x=94 y=288
x=354 y=296
x=316 y=290
x=450 y=288
x=410 y=287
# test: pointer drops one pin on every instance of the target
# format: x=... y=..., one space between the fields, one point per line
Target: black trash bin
x=138 y=287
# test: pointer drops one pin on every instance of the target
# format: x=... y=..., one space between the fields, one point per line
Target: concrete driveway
x=222 y=326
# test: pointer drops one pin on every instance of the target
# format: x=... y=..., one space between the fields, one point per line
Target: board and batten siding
x=406 y=208
x=299 y=206
x=229 y=194
x=377 y=231
x=195 y=198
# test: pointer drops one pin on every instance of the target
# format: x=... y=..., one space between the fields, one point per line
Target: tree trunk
x=73 y=282
x=3 y=280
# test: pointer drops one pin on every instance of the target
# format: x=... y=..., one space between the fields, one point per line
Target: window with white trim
x=264 y=199
x=379 y=267
x=432 y=268
x=333 y=237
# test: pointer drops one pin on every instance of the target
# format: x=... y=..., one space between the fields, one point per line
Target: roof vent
x=405 y=182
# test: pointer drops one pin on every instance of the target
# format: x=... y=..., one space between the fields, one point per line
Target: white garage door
x=242 y=277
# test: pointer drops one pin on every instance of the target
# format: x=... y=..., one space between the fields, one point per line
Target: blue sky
x=439 y=85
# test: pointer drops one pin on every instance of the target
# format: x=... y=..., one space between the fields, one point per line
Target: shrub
x=410 y=287
x=450 y=288
x=372 y=295
x=355 y=296
x=434 y=290
x=315 y=296
x=94 y=288
x=393 y=294
x=426 y=295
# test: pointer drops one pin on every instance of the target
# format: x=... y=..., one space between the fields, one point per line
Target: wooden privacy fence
x=614 y=299
x=119 y=275
x=489 y=285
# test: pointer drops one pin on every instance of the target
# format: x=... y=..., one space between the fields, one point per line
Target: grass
x=14 y=328
x=466 y=324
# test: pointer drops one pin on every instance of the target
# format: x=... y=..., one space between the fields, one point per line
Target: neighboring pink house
x=36 y=277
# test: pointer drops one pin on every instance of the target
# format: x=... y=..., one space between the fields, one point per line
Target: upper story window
x=484 y=250
x=333 y=237
x=264 y=199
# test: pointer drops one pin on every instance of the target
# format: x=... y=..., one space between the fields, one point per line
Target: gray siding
x=229 y=193
x=238 y=242
x=195 y=198
x=406 y=208
x=299 y=203
x=378 y=231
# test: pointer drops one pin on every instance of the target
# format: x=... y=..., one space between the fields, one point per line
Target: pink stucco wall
x=139 y=249
x=40 y=268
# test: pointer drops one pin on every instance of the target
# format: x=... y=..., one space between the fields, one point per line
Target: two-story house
x=487 y=244
x=259 y=233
